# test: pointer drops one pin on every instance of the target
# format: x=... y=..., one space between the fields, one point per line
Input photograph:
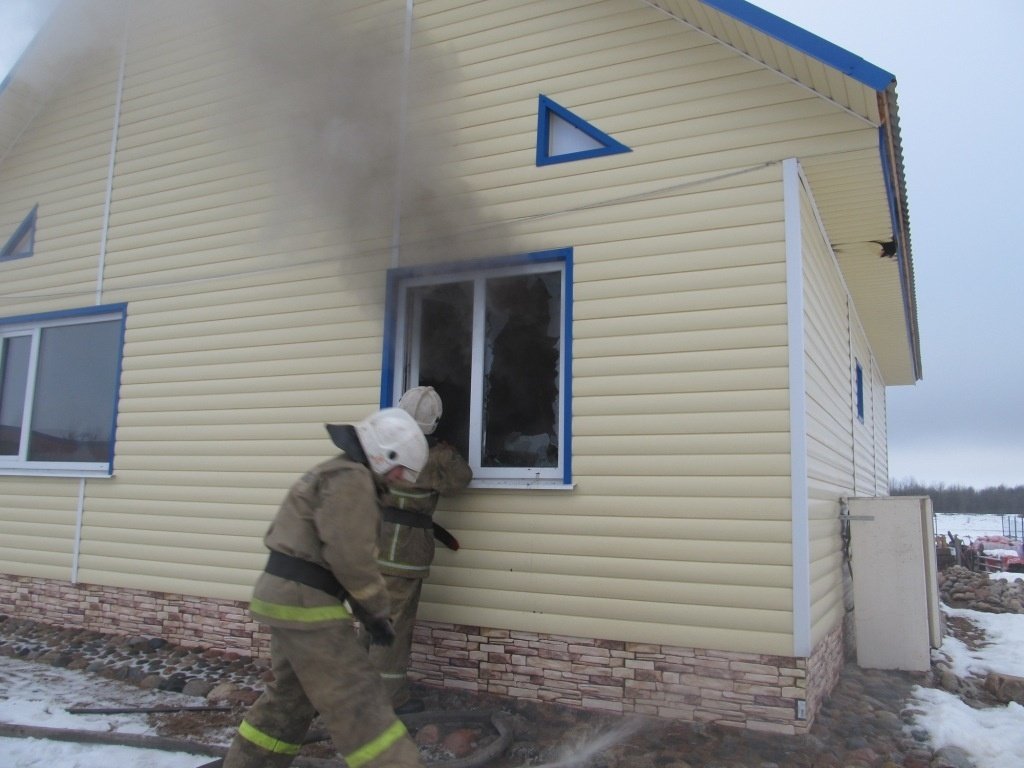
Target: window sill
x=521 y=485
x=27 y=472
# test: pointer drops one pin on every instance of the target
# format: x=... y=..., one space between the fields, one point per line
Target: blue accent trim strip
x=387 y=367
x=545 y=108
x=117 y=390
x=567 y=380
x=104 y=309
x=805 y=42
x=27 y=227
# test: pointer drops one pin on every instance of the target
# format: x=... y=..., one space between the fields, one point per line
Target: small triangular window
x=563 y=136
x=22 y=242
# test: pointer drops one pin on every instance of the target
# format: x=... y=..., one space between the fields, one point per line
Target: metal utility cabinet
x=895 y=585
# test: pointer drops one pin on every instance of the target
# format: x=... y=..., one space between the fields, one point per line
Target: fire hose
x=499 y=721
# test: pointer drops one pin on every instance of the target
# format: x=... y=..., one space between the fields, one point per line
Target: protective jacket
x=329 y=519
x=406 y=539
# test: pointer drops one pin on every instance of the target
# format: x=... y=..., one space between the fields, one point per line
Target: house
x=654 y=254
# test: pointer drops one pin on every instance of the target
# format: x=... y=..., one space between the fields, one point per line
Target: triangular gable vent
x=563 y=136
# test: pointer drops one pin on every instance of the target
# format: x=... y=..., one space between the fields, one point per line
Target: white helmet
x=392 y=438
x=424 y=405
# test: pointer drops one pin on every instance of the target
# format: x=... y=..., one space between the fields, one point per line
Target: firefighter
x=320 y=573
x=406 y=541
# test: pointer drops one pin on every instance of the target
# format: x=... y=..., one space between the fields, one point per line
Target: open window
x=59 y=376
x=492 y=338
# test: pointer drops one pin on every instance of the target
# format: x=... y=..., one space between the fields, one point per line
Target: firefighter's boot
x=253 y=748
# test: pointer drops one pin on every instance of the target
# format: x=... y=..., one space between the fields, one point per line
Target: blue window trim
x=104 y=309
x=806 y=42
x=859 y=381
x=545 y=108
x=399 y=274
x=26 y=228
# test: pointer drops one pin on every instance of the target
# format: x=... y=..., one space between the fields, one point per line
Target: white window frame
x=397 y=376
x=32 y=327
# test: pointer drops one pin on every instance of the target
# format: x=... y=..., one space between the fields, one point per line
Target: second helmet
x=424 y=405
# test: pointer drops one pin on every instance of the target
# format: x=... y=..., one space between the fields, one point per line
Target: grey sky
x=960 y=73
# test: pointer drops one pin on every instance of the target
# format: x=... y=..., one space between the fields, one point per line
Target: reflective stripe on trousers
x=365 y=754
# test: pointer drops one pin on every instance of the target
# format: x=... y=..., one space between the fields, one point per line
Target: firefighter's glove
x=380 y=629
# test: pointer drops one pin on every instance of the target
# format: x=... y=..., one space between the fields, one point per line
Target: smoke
x=343 y=117
x=584 y=748
x=345 y=102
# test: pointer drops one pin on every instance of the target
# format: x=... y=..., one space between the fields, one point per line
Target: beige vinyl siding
x=253 y=318
x=880 y=433
x=61 y=165
x=841 y=459
x=680 y=400
x=37 y=526
x=242 y=340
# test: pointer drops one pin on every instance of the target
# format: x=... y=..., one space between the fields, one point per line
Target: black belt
x=419 y=520
x=404 y=517
x=304 y=572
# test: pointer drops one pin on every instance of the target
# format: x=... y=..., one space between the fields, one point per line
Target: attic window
x=22 y=242
x=563 y=136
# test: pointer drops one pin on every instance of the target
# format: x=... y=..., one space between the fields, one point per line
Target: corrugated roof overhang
x=861 y=195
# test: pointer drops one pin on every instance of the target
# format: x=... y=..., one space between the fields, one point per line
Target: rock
x=952 y=757
x=197 y=687
x=221 y=692
x=1005 y=688
x=949 y=681
x=428 y=735
x=151 y=682
x=461 y=742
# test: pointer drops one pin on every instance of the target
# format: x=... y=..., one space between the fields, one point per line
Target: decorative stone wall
x=777 y=694
x=184 y=620
x=734 y=689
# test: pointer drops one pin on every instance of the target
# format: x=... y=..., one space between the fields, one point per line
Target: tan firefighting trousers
x=326 y=671
x=392 y=661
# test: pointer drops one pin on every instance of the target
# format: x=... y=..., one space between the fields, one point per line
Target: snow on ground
x=34 y=694
x=968 y=527
x=994 y=737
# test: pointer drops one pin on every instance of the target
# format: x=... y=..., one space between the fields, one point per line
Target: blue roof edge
x=806 y=42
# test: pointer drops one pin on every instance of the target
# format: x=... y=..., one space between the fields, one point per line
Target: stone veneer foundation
x=778 y=694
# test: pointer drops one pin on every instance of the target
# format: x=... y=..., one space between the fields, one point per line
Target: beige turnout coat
x=408 y=550
x=329 y=517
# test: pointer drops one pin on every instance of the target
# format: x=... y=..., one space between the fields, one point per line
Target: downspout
x=800 y=529
x=101 y=263
x=403 y=95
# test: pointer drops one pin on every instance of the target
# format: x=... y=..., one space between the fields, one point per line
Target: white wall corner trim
x=791 y=185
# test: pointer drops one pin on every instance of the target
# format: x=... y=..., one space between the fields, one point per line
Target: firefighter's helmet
x=424 y=405
x=391 y=438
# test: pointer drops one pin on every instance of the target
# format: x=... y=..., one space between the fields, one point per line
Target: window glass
x=520 y=390
x=74 y=408
x=59 y=375
x=492 y=341
x=441 y=355
x=14 y=352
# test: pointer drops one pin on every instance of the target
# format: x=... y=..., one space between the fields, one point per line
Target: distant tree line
x=962 y=499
